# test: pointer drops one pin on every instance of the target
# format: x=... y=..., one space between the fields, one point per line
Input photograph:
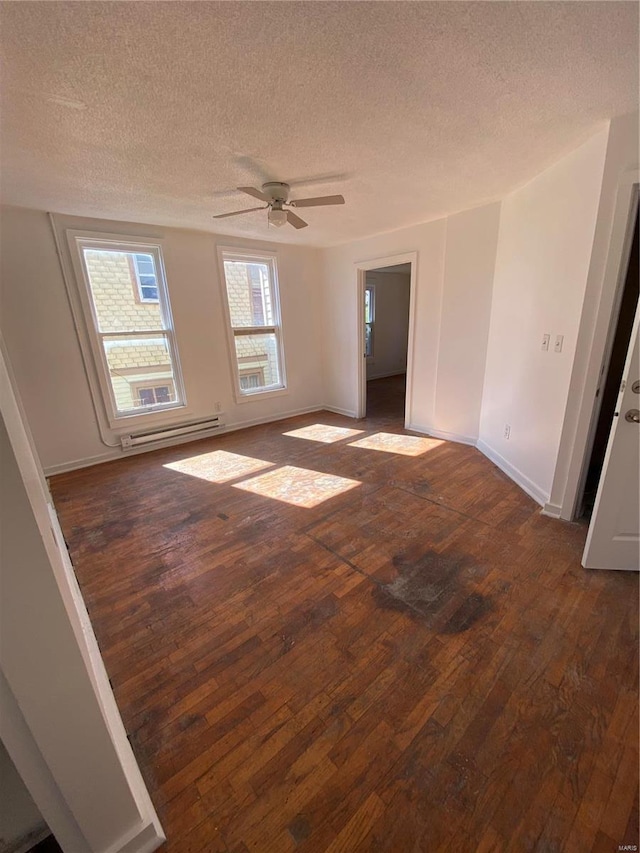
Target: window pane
x=147 y=397
x=251 y=380
x=258 y=361
x=145 y=264
x=115 y=295
x=368 y=305
x=140 y=371
x=368 y=340
x=249 y=293
x=149 y=292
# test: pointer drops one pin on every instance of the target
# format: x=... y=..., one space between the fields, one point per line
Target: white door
x=613 y=541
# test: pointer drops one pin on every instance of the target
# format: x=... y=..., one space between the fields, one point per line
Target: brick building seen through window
x=252 y=309
x=131 y=325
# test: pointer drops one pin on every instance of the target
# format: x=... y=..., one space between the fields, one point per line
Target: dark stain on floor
x=97 y=538
x=436 y=588
x=473 y=608
x=299 y=828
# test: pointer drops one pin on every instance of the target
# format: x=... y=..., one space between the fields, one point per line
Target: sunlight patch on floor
x=324 y=433
x=297 y=486
x=220 y=466
x=405 y=445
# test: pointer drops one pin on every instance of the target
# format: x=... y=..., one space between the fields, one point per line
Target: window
x=251 y=296
x=251 y=380
x=128 y=317
x=369 y=319
x=145 y=273
x=151 y=396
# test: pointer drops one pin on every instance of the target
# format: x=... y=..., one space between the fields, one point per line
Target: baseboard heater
x=138 y=438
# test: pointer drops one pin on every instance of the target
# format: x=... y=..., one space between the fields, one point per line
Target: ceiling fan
x=276 y=194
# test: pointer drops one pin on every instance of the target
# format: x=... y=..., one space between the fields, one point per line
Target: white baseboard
x=552 y=510
x=348 y=413
x=532 y=489
x=117 y=453
x=281 y=416
x=443 y=434
x=87 y=462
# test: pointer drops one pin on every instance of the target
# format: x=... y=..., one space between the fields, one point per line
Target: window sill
x=260 y=395
x=150 y=416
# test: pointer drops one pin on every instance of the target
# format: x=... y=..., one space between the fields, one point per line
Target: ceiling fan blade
x=316 y=202
x=255 y=193
x=294 y=220
x=238 y=212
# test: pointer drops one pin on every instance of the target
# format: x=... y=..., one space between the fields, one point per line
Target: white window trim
x=94 y=353
x=243 y=254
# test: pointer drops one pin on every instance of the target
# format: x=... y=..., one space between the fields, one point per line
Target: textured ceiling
x=155 y=111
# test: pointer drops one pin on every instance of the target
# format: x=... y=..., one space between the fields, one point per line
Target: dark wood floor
x=418 y=663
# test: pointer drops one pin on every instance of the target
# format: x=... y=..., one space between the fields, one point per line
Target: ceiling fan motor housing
x=276 y=190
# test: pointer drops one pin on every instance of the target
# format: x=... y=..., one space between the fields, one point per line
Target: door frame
x=361 y=269
x=578 y=434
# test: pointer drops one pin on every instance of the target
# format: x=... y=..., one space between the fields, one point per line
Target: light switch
x=557 y=347
x=545 y=343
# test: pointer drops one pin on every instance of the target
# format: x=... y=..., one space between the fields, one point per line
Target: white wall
x=544 y=249
x=472 y=238
x=42 y=343
x=391 y=323
x=452 y=309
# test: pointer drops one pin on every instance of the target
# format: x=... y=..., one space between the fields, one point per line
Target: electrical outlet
x=217 y=406
x=545 y=343
x=557 y=347
x=507 y=431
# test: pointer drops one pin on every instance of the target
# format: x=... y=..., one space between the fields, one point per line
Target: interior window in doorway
x=369 y=319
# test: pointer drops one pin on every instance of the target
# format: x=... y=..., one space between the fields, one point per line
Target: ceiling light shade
x=277 y=217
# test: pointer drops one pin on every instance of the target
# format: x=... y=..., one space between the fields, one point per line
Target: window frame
x=139 y=296
x=234 y=253
x=80 y=240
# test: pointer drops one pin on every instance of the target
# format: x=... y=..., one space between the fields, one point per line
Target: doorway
x=386 y=316
x=609 y=386
x=386 y=288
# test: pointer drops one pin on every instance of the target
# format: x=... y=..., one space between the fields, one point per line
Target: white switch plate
x=557 y=347
x=545 y=343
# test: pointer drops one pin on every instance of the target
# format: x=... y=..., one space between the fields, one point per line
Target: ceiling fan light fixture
x=277 y=217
